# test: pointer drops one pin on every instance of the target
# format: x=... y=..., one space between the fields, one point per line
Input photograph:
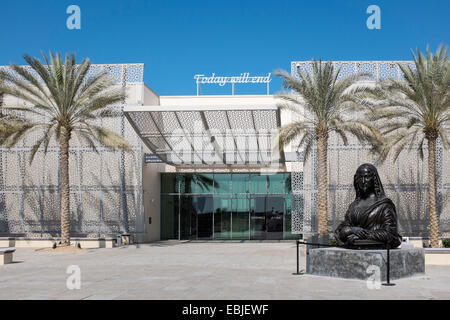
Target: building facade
x=205 y=167
x=105 y=188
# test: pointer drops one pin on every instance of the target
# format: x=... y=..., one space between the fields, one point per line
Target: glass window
x=226 y=206
x=240 y=183
x=287 y=183
x=275 y=208
x=222 y=183
x=168 y=183
x=169 y=217
x=240 y=218
x=258 y=183
x=275 y=183
x=202 y=183
x=258 y=217
x=190 y=183
x=187 y=183
x=222 y=217
x=205 y=209
x=188 y=215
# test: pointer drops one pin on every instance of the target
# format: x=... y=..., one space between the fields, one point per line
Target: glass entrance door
x=197 y=217
x=266 y=217
x=258 y=218
x=188 y=215
x=226 y=206
x=205 y=208
x=239 y=218
x=274 y=217
x=222 y=217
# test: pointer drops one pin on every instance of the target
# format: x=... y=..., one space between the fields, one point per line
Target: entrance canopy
x=210 y=130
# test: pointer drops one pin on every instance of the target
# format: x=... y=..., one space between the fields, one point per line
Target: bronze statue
x=371 y=220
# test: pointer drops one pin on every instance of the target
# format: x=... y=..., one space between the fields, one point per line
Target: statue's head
x=366 y=181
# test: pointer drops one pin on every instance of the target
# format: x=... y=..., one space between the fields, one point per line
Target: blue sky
x=178 y=39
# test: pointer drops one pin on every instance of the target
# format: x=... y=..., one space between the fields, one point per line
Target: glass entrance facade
x=226 y=206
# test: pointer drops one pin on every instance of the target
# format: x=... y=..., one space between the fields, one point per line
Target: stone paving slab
x=197 y=270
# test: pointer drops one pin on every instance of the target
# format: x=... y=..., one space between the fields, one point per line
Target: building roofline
x=198 y=108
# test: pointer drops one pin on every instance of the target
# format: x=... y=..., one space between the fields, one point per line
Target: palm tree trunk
x=434 y=220
x=322 y=146
x=65 y=193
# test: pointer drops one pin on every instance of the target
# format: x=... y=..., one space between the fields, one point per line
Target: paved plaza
x=196 y=270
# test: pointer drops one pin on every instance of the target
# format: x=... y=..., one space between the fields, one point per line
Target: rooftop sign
x=221 y=81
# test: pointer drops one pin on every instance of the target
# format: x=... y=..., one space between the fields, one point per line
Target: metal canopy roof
x=209 y=135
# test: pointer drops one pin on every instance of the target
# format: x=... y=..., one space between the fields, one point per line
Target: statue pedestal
x=354 y=264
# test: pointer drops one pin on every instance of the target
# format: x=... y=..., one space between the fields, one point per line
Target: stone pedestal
x=353 y=264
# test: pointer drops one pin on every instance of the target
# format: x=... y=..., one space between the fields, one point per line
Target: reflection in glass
x=202 y=183
x=239 y=218
x=275 y=183
x=222 y=183
x=187 y=183
x=287 y=183
x=240 y=183
x=169 y=217
x=226 y=206
x=204 y=206
x=258 y=183
x=222 y=217
x=274 y=217
x=188 y=216
x=258 y=217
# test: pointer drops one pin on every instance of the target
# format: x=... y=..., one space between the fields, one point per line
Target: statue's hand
x=359 y=232
x=351 y=238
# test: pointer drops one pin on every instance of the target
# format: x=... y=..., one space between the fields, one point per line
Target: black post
x=298 y=271
x=388 y=269
x=388 y=265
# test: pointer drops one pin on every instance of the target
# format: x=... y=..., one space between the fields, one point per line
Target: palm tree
x=68 y=101
x=413 y=110
x=324 y=104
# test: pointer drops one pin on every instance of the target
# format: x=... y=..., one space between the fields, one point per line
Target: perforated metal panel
x=210 y=137
x=105 y=188
x=405 y=181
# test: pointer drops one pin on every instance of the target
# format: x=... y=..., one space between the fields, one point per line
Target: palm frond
x=322 y=98
x=292 y=131
x=66 y=95
x=104 y=136
x=416 y=107
x=308 y=141
x=45 y=139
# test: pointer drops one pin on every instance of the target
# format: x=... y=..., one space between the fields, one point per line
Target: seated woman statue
x=371 y=217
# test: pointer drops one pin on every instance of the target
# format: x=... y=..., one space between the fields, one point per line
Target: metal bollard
x=298 y=259
x=388 y=269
